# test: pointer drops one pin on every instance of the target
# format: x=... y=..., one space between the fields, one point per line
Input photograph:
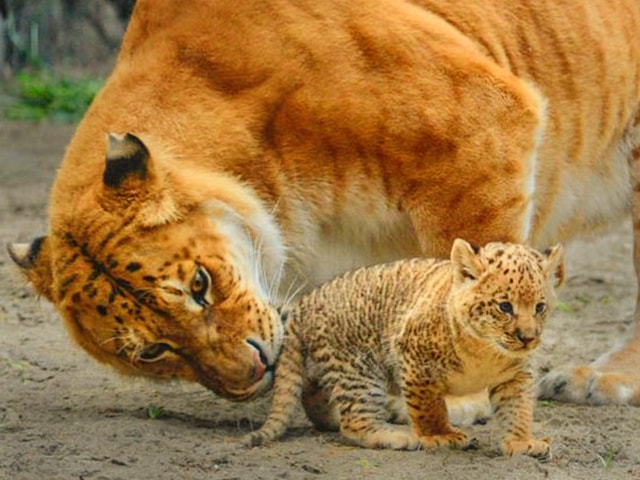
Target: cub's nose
x=526 y=337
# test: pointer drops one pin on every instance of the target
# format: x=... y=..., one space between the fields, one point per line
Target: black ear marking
x=25 y=255
x=126 y=156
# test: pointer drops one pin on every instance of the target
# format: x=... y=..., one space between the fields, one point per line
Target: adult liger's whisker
x=291 y=296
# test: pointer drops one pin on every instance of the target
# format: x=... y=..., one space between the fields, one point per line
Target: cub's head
x=162 y=273
x=504 y=292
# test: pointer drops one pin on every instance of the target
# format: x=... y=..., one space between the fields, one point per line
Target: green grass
x=608 y=457
x=564 y=307
x=42 y=95
x=155 y=412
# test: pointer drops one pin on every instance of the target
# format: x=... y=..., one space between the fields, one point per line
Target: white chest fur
x=367 y=231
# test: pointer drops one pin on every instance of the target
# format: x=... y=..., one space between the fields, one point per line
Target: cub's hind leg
x=315 y=400
x=614 y=377
x=326 y=417
x=361 y=403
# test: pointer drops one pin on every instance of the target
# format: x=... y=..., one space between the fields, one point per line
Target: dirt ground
x=62 y=416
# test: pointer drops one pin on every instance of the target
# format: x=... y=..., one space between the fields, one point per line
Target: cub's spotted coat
x=428 y=328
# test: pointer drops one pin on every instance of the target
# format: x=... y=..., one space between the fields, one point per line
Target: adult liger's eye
x=153 y=352
x=200 y=286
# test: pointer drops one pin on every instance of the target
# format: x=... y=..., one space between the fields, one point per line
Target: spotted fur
x=427 y=328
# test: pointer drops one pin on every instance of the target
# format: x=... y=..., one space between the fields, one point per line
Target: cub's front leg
x=513 y=405
x=428 y=413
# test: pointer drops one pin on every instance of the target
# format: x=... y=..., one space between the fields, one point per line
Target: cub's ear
x=130 y=179
x=465 y=261
x=34 y=261
x=554 y=264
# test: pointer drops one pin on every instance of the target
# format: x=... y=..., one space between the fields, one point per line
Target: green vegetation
x=154 y=412
x=564 y=307
x=42 y=95
x=608 y=457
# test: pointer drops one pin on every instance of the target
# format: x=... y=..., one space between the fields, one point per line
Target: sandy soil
x=64 y=417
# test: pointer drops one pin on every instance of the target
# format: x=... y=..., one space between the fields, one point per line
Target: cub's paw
x=538 y=448
x=400 y=440
x=396 y=407
x=254 y=439
x=455 y=438
x=590 y=385
x=391 y=437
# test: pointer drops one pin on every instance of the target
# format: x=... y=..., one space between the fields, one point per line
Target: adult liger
x=242 y=152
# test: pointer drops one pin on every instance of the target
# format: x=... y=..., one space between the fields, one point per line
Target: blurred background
x=55 y=54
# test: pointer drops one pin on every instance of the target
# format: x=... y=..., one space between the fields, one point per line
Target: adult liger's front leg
x=478 y=183
x=614 y=378
x=483 y=189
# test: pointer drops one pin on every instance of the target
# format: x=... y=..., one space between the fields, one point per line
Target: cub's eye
x=506 y=307
x=200 y=286
x=153 y=352
x=541 y=308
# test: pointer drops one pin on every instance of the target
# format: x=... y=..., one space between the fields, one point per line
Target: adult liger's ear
x=130 y=178
x=554 y=264
x=34 y=259
x=465 y=261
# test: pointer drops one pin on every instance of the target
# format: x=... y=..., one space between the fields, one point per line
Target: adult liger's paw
x=469 y=409
x=539 y=448
x=590 y=385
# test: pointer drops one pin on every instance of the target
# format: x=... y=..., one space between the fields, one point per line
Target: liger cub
x=426 y=328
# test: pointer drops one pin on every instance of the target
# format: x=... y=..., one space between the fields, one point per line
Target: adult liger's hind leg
x=614 y=377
